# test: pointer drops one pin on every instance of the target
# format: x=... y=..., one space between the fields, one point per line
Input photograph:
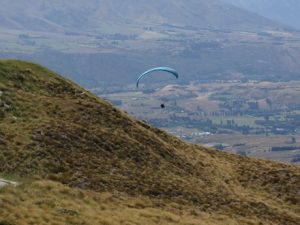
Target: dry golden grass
x=47 y=202
x=52 y=129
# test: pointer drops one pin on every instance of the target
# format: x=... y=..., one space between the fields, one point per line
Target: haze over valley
x=282 y=11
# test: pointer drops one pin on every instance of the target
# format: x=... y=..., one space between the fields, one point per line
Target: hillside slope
x=52 y=129
x=48 y=202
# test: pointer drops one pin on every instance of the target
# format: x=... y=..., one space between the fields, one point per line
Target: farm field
x=249 y=118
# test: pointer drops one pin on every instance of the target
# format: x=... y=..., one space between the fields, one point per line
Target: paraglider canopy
x=164 y=69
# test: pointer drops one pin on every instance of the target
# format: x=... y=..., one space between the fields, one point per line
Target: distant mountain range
x=204 y=39
x=91 y=15
x=283 y=11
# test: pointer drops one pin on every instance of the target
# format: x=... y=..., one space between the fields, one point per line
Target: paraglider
x=157 y=69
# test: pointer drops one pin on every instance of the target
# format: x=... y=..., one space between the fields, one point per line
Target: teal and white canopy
x=164 y=69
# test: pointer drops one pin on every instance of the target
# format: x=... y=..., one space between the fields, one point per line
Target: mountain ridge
x=91 y=15
x=53 y=129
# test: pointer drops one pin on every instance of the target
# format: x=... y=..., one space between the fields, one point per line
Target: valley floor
x=249 y=118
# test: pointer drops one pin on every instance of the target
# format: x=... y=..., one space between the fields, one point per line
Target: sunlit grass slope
x=47 y=202
x=52 y=129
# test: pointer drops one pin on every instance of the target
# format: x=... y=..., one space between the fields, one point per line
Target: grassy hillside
x=52 y=129
x=47 y=202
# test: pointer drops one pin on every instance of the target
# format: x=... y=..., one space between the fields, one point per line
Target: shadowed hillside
x=53 y=129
